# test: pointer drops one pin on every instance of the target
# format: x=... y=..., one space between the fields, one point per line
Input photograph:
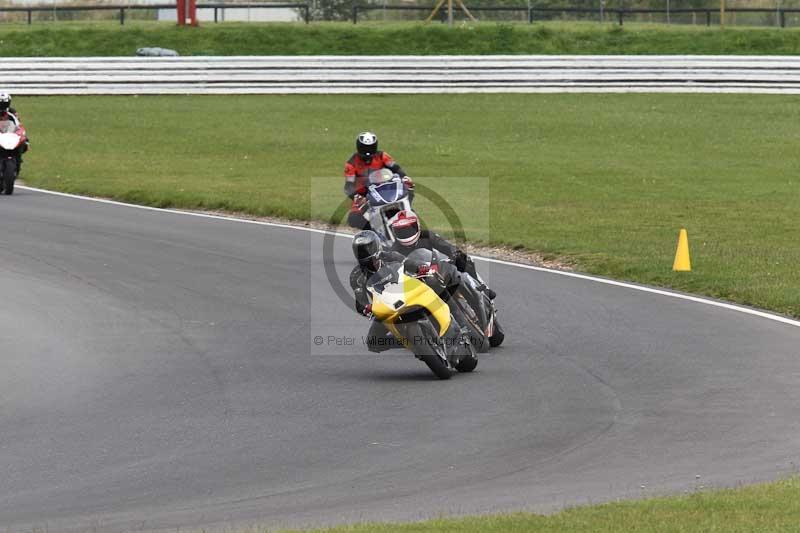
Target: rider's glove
x=367 y=311
x=408 y=182
x=359 y=200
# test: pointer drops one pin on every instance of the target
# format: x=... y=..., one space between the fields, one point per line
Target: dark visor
x=405 y=232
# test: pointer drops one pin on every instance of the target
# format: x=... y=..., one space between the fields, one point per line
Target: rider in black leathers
x=371 y=256
x=409 y=237
x=444 y=279
x=439 y=274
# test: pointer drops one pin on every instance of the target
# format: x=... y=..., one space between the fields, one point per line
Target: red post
x=187 y=12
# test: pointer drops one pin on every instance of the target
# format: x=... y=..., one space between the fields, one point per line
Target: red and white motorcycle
x=12 y=141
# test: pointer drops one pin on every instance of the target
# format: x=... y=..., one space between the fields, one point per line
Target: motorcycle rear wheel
x=468 y=363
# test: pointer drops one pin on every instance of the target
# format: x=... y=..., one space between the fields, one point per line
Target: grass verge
x=605 y=181
x=767 y=508
x=108 y=39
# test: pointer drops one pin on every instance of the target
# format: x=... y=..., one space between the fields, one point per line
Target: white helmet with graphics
x=405 y=227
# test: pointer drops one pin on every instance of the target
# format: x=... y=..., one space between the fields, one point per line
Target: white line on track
x=641 y=288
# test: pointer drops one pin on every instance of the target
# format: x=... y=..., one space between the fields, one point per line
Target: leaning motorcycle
x=480 y=313
x=384 y=199
x=420 y=320
x=12 y=140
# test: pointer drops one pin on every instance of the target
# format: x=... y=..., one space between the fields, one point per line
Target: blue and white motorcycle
x=386 y=196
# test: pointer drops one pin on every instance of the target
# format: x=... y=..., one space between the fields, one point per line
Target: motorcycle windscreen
x=386 y=193
x=389 y=273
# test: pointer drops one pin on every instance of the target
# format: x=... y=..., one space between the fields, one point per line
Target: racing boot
x=486 y=290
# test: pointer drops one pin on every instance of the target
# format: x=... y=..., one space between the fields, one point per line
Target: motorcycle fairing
x=394 y=297
x=9 y=141
x=11 y=134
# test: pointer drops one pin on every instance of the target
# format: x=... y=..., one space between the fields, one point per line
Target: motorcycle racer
x=9 y=113
x=6 y=111
x=409 y=237
x=439 y=274
x=370 y=254
x=367 y=158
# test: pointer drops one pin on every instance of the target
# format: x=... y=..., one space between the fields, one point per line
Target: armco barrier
x=400 y=74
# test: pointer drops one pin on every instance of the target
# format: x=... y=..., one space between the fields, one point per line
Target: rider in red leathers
x=357 y=169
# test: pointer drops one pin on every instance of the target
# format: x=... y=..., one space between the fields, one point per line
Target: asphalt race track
x=158 y=371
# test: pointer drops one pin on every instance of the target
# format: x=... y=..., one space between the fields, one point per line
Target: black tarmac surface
x=160 y=371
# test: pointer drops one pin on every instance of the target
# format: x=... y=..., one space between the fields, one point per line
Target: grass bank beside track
x=111 y=39
x=605 y=181
x=767 y=508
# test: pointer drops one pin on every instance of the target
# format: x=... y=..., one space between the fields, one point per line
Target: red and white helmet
x=405 y=227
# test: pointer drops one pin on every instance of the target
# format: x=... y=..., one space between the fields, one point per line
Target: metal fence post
x=307 y=13
x=708 y=17
x=215 y=15
x=530 y=15
x=30 y=16
x=619 y=13
x=355 y=13
x=782 y=14
x=122 y=16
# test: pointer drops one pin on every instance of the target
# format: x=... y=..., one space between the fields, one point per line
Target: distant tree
x=332 y=9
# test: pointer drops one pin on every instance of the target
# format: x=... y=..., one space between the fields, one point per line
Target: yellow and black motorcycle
x=419 y=319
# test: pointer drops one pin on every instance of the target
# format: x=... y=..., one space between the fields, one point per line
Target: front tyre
x=497 y=335
x=8 y=175
x=476 y=334
x=429 y=348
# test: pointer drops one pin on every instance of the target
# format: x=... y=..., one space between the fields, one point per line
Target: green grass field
x=768 y=508
x=605 y=181
x=109 y=38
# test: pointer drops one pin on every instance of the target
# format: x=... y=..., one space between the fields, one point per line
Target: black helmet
x=366 y=249
x=419 y=262
x=366 y=144
x=5 y=102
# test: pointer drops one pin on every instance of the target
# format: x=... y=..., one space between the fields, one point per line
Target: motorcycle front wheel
x=8 y=173
x=476 y=334
x=429 y=348
x=497 y=335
